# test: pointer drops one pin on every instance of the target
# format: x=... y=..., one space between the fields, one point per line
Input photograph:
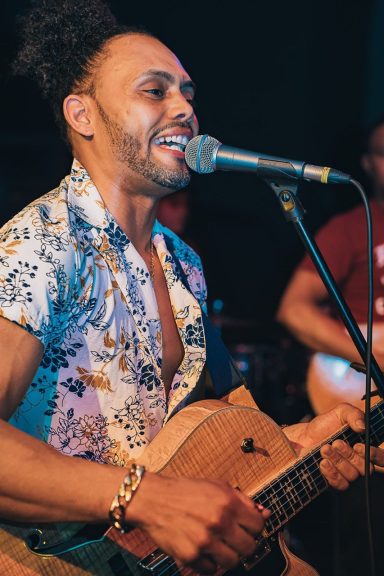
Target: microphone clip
x=286 y=193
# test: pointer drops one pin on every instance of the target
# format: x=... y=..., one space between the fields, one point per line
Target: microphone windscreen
x=200 y=153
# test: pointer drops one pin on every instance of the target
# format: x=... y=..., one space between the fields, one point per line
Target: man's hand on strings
x=341 y=463
x=202 y=524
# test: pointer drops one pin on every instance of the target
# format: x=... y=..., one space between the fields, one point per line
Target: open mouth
x=176 y=142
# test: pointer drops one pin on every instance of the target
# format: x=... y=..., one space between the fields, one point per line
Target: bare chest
x=172 y=348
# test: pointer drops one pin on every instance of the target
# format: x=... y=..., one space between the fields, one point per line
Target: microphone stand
x=286 y=193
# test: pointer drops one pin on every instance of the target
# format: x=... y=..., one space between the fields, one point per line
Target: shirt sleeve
x=35 y=286
x=336 y=246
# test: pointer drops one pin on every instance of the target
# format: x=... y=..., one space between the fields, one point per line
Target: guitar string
x=315 y=475
x=304 y=463
x=311 y=467
x=312 y=455
x=290 y=513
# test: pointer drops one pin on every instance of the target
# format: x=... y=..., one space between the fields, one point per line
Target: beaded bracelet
x=125 y=494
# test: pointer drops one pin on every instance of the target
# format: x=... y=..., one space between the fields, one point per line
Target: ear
x=77 y=114
x=366 y=164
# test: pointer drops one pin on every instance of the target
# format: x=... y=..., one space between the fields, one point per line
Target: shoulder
x=41 y=231
x=38 y=257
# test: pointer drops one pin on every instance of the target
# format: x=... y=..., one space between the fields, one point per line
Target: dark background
x=296 y=79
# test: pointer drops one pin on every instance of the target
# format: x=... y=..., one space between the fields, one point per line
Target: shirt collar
x=85 y=201
x=84 y=198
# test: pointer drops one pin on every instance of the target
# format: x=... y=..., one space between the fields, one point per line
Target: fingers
x=352 y=416
x=332 y=475
x=206 y=525
x=252 y=517
x=243 y=543
x=222 y=555
x=215 y=546
x=202 y=566
x=342 y=464
x=231 y=534
x=376 y=455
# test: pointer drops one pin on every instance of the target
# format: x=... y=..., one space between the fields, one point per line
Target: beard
x=127 y=149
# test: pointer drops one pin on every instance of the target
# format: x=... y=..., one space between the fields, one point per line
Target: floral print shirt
x=71 y=277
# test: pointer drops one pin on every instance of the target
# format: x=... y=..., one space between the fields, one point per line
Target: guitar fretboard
x=297 y=486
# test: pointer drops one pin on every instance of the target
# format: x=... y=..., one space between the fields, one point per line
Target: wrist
x=140 y=509
x=123 y=497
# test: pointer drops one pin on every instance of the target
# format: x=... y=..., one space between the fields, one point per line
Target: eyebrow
x=168 y=77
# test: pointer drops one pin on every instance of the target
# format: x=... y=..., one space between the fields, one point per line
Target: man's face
x=373 y=161
x=144 y=102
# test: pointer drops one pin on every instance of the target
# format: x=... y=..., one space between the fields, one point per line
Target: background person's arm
x=301 y=311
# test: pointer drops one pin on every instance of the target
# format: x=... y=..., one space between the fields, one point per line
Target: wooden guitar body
x=209 y=439
x=331 y=380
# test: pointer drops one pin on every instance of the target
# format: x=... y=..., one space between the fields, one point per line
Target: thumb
x=352 y=416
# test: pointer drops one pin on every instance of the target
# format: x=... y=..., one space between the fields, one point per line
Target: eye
x=157 y=92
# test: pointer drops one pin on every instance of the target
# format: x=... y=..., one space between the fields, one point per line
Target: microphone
x=205 y=154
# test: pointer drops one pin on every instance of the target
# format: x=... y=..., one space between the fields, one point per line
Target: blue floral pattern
x=72 y=278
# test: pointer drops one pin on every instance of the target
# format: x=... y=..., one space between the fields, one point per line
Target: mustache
x=172 y=125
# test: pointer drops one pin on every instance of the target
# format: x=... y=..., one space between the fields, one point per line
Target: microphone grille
x=200 y=153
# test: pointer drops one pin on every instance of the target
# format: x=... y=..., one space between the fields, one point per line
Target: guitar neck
x=297 y=486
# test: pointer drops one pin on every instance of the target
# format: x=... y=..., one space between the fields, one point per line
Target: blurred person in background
x=174 y=212
x=305 y=309
x=101 y=331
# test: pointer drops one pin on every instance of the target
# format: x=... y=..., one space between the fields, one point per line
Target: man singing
x=101 y=338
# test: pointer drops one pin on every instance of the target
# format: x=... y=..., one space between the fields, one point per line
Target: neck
x=134 y=214
x=130 y=199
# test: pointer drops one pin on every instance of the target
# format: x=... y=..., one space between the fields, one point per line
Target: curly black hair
x=61 y=43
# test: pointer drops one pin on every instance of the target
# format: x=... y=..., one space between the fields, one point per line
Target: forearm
x=318 y=331
x=37 y=483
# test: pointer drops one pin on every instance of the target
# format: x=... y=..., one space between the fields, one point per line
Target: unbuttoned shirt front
x=72 y=278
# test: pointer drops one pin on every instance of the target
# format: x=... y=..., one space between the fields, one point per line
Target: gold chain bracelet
x=125 y=494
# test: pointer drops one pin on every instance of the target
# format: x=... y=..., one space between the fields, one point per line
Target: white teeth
x=177 y=139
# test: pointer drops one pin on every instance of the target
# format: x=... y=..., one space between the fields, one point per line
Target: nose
x=181 y=109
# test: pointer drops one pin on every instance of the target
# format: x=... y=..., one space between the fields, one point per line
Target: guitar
x=208 y=439
x=331 y=380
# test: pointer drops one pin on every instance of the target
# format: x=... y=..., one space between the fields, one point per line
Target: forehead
x=130 y=56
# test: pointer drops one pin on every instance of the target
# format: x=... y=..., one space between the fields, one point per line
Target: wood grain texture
x=241 y=396
x=295 y=566
x=202 y=441
x=331 y=381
